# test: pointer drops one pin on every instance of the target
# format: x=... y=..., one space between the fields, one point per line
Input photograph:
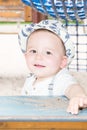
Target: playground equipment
x=60 y=9
x=74 y=14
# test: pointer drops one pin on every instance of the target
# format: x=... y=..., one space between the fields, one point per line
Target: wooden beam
x=37 y=16
x=44 y=125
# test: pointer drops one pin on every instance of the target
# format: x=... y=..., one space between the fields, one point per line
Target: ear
x=64 y=62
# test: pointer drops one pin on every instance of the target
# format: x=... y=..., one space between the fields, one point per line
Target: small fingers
x=82 y=102
x=76 y=103
x=73 y=107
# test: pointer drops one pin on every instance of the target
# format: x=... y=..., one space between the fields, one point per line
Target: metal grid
x=78 y=33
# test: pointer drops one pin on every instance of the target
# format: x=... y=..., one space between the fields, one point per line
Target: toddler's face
x=45 y=54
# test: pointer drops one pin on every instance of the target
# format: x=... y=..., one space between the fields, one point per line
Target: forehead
x=43 y=37
x=43 y=33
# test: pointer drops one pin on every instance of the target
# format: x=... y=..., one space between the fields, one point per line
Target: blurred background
x=14 y=14
x=13 y=70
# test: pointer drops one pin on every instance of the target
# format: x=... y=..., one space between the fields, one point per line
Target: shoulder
x=64 y=73
x=64 y=78
x=62 y=81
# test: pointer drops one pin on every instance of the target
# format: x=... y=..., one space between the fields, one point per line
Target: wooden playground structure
x=15 y=10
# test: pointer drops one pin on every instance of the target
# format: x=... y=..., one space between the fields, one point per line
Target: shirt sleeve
x=63 y=80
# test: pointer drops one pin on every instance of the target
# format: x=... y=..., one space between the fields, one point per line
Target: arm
x=78 y=98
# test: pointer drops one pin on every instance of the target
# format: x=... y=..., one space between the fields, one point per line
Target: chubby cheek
x=52 y=67
x=53 y=63
x=28 y=61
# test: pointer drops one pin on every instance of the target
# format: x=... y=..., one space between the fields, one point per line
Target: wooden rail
x=10 y=2
x=9 y=14
x=12 y=10
x=43 y=125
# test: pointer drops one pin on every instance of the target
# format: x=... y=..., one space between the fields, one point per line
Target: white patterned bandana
x=52 y=25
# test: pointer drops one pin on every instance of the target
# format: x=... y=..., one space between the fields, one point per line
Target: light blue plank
x=37 y=109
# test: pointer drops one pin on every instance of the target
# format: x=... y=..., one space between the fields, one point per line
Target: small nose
x=39 y=56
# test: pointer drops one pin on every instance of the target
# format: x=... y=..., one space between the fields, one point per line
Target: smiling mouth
x=39 y=66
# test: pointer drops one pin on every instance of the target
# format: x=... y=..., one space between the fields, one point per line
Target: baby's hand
x=76 y=103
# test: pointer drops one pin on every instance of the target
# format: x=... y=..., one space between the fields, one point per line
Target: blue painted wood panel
x=37 y=109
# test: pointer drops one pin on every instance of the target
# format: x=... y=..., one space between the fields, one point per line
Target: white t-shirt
x=55 y=85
